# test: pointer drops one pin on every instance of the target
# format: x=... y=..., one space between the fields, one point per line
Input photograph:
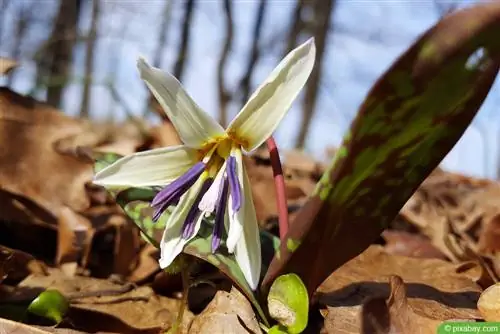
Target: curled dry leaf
x=29 y=167
x=460 y=214
x=229 y=312
x=489 y=303
x=16 y=265
x=394 y=314
x=434 y=289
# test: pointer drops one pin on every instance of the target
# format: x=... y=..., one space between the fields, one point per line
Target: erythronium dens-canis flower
x=206 y=175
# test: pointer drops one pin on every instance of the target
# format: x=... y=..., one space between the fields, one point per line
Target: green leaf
x=50 y=304
x=410 y=120
x=288 y=303
x=277 y=329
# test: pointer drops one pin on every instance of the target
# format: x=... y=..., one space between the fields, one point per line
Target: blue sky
x=367 y=37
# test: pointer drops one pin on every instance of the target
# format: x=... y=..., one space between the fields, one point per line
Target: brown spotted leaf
x=410 y=120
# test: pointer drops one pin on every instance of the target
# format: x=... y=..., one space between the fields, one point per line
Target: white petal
x=172 y=242
x=149 y=168
x=235 y=222
x=195 y=127
x=209 y=199
x=247 y=250
x=266 y=108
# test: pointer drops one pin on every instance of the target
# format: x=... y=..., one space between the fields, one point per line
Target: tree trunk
x=60 y=49
x=21 y=25
x=322 y=13
x=255 y=54
x=224 y=95
x=89 y=59
x=184 y=48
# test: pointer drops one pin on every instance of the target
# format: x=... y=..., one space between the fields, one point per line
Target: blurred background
x=80 y=55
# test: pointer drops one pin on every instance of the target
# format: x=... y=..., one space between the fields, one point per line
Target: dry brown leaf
x=147 y=264
x=138 y=308
x=459 y=214
x=16 y=265
x=31 y=167
x=410 y=244
x=489 y=303
x=394 y=315
x=164 y=135
x=434 y=288
x=12 y=327
x=229 y=313
x=6 y=65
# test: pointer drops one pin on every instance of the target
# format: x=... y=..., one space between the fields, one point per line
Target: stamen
x=209 y=200
x=234 y=183
x=190 y=222
x=220 y=212
x=171 y=193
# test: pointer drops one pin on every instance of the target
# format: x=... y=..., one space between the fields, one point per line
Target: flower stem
x=279 y=185
x=177 y=326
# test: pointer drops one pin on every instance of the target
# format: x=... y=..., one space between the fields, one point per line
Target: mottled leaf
x=410 y=120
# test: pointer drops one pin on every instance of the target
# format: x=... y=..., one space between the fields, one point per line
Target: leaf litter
x=437 y=261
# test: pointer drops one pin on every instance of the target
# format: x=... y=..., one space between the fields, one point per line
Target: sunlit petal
x=266 y=108
x=195 y=127
x=156 y=167
x=236 y=220
x=172 y=242
x=247 y=251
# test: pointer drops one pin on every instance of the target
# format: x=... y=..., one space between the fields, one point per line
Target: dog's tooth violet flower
x=206 y=176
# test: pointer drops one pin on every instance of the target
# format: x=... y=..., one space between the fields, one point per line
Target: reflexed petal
x=235 y=221
x=156 y=167
x=195 y=127
x=266 y=108
x=247 y=251
x=172 y=242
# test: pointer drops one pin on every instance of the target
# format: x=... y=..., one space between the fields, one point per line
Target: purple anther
x=220 y=212
x=234 y=183
x=171 y=193
x=190 y=222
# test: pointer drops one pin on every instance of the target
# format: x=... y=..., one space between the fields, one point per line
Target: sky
x=367 y=37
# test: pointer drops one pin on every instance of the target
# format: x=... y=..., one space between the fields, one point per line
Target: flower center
x=218 y=170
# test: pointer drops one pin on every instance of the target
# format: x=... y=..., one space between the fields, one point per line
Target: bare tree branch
x=296 y=26
x=186 y=30
x=322 y=13
x=255 y=54
x=224 y=95
x=60 y=52
x=160 y=46
x=89 y=59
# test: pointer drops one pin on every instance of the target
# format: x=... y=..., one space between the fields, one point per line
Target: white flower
x=206 y=175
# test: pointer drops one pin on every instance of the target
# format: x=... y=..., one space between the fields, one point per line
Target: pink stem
x=279 y=184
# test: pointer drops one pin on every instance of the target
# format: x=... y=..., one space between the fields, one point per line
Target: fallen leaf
x=228 y=312
x=394 y=315
x=489 y=303
x=411 y=245
x=92 y=299
x=434 y=289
